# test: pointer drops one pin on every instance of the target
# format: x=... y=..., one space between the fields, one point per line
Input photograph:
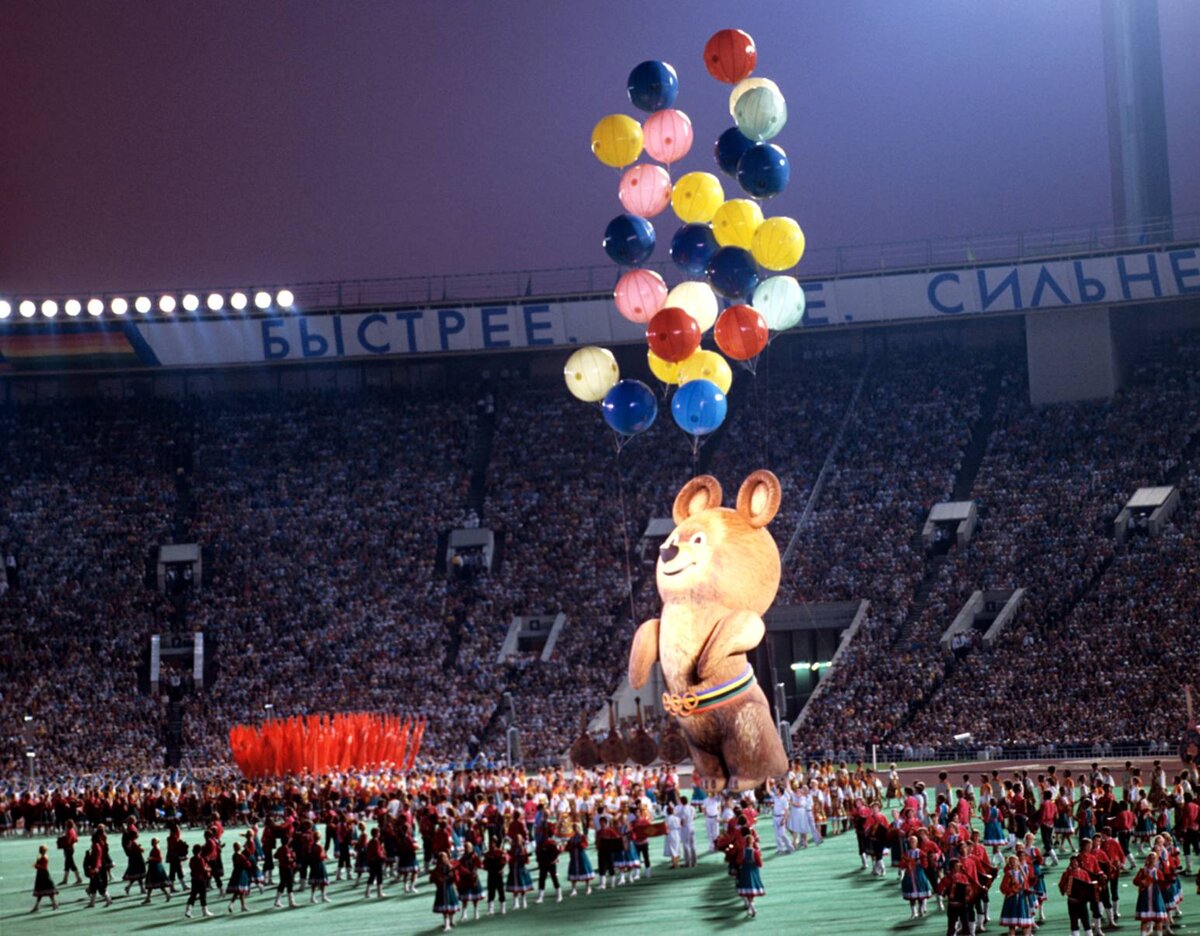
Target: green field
x=819 y=890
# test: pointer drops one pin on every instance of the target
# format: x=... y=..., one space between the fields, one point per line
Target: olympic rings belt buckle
x=680 y=705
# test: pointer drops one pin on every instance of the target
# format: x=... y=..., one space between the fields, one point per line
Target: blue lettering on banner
x=1011 y=283
x=365 y=341
x=936 y=301
x=338 y=343
x=1181 y=274
x=1090 y=288
x=1046 y=280
x=275 y=347
x=1150 y=276
x=491 y=330
x=532 y=326
x=312 y=345
x=410 y=329
x=445 y=329
x=810 y=304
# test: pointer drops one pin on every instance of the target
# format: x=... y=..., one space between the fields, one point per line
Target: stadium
x=814 y=548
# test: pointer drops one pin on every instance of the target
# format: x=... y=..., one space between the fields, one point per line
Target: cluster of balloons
x=723 y=246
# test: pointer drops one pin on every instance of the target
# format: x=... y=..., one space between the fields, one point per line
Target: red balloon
x=673 y=334
x=730 y=55
x=741 y=332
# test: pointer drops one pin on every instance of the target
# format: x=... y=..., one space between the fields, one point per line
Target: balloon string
x=625 y=534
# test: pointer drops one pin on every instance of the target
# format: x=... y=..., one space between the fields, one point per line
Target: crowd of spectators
x=320 y=517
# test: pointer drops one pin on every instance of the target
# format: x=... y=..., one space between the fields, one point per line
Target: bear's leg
x=708 y=773
x=752 y=749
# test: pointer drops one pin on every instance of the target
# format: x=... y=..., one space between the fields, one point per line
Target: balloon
x=668 y=135
x=692 y=247
x=760 y=113
x=630 y=407
x=741 y=332
x=729 y=148
x=590 y=373
x=629 y=240
x=673 y=334
x=781 y=302
x=763 y=170
x=653 y=86
x=706 y=365
x=666 y=371
x=778 y=244
x=617 y=140
x=639 y=294
x=735 y=222
x=748 y=85
x=697 y=300
x=730 y=55
x=732 y=272
x=699 y=407
x=696 y=197
x=645 y=190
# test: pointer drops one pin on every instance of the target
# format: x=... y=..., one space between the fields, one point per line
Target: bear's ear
x=698 y=494
x=758 y=498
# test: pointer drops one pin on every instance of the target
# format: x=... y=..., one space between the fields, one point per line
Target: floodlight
x=216 y=302
x=5 y=309
x=166 y=304
x=49 y=308
x=284 y=299
x=191 y=302
x=143 y=304
x=27 y=309
x=238 y=300
x=95 y=306
x=72 y=307
x=262 y=299
x=119 y=306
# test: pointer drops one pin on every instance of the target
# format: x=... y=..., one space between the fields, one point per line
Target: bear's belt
x=683 y=704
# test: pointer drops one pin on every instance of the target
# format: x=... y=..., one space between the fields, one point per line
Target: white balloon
x=781 y=302
x=697 y=299
x=747 y=84
x=590 y=373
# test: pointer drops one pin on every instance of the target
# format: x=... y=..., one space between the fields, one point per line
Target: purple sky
x=156 y=144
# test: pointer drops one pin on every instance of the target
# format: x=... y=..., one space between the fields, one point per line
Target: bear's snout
x=667 y=553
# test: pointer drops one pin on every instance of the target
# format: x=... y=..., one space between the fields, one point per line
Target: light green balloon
x=760 y=113
x=781 y=302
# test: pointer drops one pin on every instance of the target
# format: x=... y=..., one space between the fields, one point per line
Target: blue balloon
x=629 y=240
x=763 y=171
x=732 y=272
x=692 y=247
x=698 y=407
x=630 y=407
x=729 y=148
x=653 y=86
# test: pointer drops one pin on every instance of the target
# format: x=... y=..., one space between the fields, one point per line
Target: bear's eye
x=698 y=539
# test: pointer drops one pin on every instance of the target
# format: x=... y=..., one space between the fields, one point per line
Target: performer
x=993 y=829
x=135 y=870
x=749 y=880
x=958 y=891
x=579 y=866
x=43 y=884
x=200 y=878
x=687 y=831
x=67 y=842
x=97 y=874
x=1017 y=912
x=1151 y=882
x=1079 y=887
x=519 y=881
x=494 y=862
x=547 y=861
x=374 y=853
x=407 y=864
x=470 y=889
x=712 y=822
x=239 y=880
x=318 y=874
x=914 y=884
x=177 y=853
x=156 y=874
x=673 y=846
x=445 y=899
x=285 y=858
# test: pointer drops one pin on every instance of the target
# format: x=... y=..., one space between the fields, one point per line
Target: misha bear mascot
x=717 y=574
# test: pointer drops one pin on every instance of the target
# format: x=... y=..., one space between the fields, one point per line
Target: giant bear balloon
x=717 y=575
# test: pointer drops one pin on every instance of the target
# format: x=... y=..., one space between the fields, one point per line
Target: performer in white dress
x=780 y=808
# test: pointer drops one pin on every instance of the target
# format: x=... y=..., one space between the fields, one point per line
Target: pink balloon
x=667 y=135
x=639 y=295
x=645 y=190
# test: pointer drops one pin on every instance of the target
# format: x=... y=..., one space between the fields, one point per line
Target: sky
x=151 y=144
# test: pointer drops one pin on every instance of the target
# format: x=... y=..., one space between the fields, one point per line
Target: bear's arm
x=643 y=653
x=737 y=632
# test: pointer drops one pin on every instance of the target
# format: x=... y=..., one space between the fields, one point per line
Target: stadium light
x=95 y=307
x=27 y=308
x=72 y=307
x=166 y=304
x=238 y=300
x=191 y=302
x=284 y=299
x=49 y=308
x=28 y=718
x=216 y=302
x=5 y=309
x=262 y=299
x=143 y=304
x=119 y=306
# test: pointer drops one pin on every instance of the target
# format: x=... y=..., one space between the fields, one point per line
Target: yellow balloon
x=735 y=222
x=748 y=84
x=590 y=373
x=778 y=244
x=706 y=365
x=666 y=371
x=697 y=299
x=617 y=140
x=696 y=197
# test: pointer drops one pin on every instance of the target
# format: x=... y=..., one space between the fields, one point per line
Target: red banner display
x=318 y=744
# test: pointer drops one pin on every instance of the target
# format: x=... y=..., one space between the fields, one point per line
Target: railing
x=818 y=262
